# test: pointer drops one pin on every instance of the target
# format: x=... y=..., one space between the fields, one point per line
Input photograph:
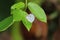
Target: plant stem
x=26 y=4
x=16 y=32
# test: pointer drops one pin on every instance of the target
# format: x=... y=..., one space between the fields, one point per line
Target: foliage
x=6 y=23
x=18 y=14
x=37 y=11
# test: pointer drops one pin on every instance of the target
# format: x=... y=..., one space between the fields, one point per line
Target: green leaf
x=53 y=15
x=17 y=15
x=6 y=23
x=26 y=22
x=37 y=11
x=19 y=5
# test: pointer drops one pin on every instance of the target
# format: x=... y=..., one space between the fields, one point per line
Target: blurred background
x=52 y=10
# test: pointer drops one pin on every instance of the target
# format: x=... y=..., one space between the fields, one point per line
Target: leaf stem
x=25 y=5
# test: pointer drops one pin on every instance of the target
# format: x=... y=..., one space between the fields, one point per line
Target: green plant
x=18 y=14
